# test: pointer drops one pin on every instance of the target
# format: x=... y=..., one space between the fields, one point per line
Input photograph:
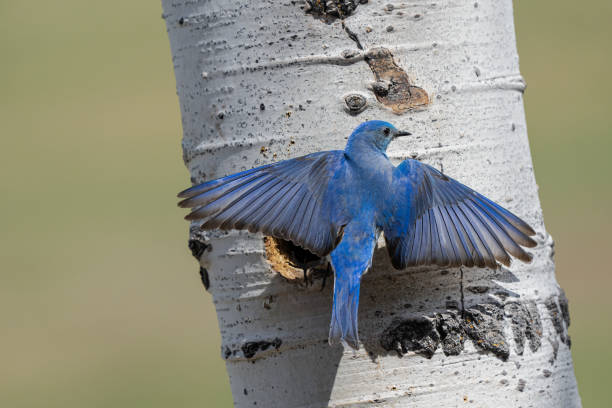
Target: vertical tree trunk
x=264 y=81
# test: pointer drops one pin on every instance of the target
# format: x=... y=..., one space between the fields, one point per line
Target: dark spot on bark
x=250 y=348
x=502 y=295
x=452 y=333
x=484 y=325
x=400 y=95
x=355 y=103
x=478 y=289
x=267 y=303
x=546 y=373
x=181 y=21
x=381 y=88
x=330 y=10
x=389 y=29
x=452 y=304
x=227 y=353
x=204 y=277
x=262 y=107
x=245 y=392
x=557 y=318
x=521 y=385
x=418 y=335
x=349 y=53
x=564 y=304
x=526 y=325
x=555 y=349
x=197 y=247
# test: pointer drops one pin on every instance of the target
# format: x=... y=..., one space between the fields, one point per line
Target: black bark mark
x=330 y=10
x=418 y=335
x=526 y=325
x=205 y=278
x=564 y=304
x=558 y=317
x=452 y=334
x=484 y=325
x=250 y=348
x=198 y=246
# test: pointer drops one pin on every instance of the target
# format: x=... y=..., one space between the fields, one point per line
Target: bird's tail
x=344 y=312
x=350 y=260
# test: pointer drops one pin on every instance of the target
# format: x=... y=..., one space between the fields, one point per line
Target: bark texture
x=261 y=81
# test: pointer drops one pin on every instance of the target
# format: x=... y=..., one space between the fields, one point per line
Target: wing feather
x=289 y=200
x=437 y=220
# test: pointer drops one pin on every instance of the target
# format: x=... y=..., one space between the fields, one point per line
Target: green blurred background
x=101 y=303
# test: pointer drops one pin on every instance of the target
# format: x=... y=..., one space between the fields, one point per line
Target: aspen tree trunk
x=262 y=81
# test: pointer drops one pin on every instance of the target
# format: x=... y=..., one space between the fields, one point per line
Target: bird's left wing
x=433 y=219
x=287 y=200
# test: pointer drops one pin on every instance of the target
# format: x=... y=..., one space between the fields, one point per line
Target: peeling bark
x=392 y=87
x=264 y=81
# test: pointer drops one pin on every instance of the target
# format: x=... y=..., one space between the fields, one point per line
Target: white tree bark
x=261 y=81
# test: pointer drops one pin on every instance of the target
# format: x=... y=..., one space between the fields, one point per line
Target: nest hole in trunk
x=293 y=262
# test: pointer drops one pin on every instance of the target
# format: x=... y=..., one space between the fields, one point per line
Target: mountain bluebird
x=338 y=202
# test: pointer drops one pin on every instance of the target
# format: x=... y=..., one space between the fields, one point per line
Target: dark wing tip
x=529 y=231
x=526 y=257
x=184 y=193
x=506 y=261
x=529 y=243
x=192 y=216
x=183 y=203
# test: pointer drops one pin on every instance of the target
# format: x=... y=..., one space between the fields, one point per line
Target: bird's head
x=375 y=133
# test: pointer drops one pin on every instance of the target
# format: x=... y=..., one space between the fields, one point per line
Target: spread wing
x=287 y=200
x=437 y=220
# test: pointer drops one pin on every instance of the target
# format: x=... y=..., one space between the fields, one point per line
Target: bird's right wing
x=434 y=219
x=289 y=200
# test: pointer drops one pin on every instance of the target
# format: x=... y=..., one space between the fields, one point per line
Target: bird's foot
x=317 y=269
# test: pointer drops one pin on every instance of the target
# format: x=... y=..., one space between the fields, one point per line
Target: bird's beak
x=401 y=133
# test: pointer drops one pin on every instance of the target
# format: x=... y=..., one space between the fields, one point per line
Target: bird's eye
x=386 y=131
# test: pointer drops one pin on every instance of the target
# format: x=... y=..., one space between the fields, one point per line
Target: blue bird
x=338 y=202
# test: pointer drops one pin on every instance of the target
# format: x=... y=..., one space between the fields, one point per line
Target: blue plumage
x=337 y=203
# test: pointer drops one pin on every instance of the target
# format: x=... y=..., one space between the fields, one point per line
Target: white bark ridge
x=264 y=81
